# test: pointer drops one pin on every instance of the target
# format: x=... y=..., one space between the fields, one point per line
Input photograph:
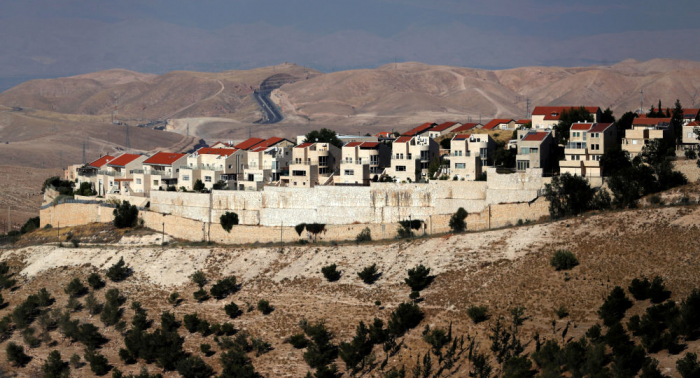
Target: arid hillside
x=500 y=269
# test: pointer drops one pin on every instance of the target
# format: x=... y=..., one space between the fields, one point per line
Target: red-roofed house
x=500 y=124
x=410 y=157
x=362 y=162
x=158 y=173
x=545 y=117
x=92 y=172
x=313 y=164
x=587 y=144
x=117 y=177
x=212 y=166
x=523 y=122
x=466 y=127
x=266 y=165
x=420 y=130
x=535 y=150
x=469 y=153
x=645 y=130
x=443 y=129
x=249 y=143
x=384 y=135
x=690 y=115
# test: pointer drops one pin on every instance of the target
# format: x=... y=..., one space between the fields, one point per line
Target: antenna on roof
x=84 y=162
x=127 y=143
x=527 y=113
x=641 y=101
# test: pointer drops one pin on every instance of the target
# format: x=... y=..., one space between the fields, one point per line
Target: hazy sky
x=45 y=38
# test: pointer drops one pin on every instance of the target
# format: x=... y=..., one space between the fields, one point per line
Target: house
x=534 y=150
x=690 y=115
x=249 y=143
x=362 y=162
x=158 y=173
x=466 y=127
x=545 y=117
x=690 y=139
x=521 y=123
x=500 y=124
x=643 y=131
x=587 y=144
x=410 y=157
x=267 y=164
x=420 y=130
x=211 y=166
x=92 y=173
x=71 y=172
x=469 y=153
x=119 y=178
x=313 y=164
x=443 y=129
x=220 y=144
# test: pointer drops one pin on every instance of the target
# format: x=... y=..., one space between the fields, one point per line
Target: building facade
x=363 y=162
x=587 y=144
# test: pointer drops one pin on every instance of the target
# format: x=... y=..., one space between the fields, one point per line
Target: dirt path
x=197 y=102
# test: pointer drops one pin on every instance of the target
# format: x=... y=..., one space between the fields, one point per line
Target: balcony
x=576 y=145
x=111 y=173
x=203 y=167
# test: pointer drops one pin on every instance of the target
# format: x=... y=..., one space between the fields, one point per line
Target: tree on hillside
x=677 y=121
x=323 y=136
x=615 y=160
x=568 y=117
x=624 y=123
x=568 y=195
x=125 y=215
x=607 y=116
x=198 y=186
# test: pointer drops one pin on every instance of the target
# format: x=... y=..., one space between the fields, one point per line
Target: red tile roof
x=420 y=129
x=304 y=145
x=552 y=113
x=101 y=161
x=369 y=145
x=694 y=123
x=163 y=158
x=599 y=127
x=443 y=126
x=384 y=134
x=650 y=121
x=523 y=121
x=536 y=137
x=216 y=151
x=690 y=113
x=259 y=148
x=245 y=145
x=224 y=143
x=581 y=126
x=491 y=125
x=462 y=136
x=270 y=142
x=123 y=159
x=353 y=144
x=403 y=139
x=465 y=127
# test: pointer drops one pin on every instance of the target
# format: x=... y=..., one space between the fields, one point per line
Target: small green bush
x=364 y=236
x=298 y=341
x=331 y=272
x=125 y=215
x=228 y=220
x=119 y=271
x=265 y=307
x=95 y=281
x=16 y=355
x=232 y=310
x=563 y=260
x=418 y=278
x=457 y=223
x=562 y=312
x=478 y=314
x=369 y=274
x=199 y=278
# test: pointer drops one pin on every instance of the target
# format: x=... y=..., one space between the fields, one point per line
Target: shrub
x=315 y=228
x=199 y=278
x=125 y=215
x=260 y=346
x=75 y=360
x=264 y=307
x=298 y=341
x=688 y=366
x=194 y=367
x=119 y=271
x=235 y=363
x=98 y=363
x=191 y=322
x=364 y=236
x=640 y=288
x=478 y=314
x=300 y=228
x=228 y=220
x=30 y=225
x=75 y=288
x=614 y=307
x=95 y=281
x=655 y=199
x=414 y=295
x=562 y=312
x=369 y=274
x=418 y=278
x=657 y=290
x=55 y=367
x=16 y=355
x=198 y=186
x=232 y=310
x=405 y=317
x=201 y=295
x=691 y=155
x=404 y=232
x=174 y=298
x=224 y=287
x=563 y=260
x=331 y=273
x=457 y=223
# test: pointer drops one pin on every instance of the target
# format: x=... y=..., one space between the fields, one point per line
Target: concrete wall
x=75 y=214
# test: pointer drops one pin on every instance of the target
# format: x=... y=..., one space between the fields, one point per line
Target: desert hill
x=499 y=269
x=364 y=100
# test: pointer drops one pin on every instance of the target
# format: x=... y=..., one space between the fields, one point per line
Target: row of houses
x=256 y=162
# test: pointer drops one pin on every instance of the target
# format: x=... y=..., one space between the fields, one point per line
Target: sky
x=41 y=38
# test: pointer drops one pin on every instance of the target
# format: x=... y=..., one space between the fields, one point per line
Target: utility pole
x=84 y=161
x=641 y=101
x=127 y=142
x=188 y=129
x=527 y=114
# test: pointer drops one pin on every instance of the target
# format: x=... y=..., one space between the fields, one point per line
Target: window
x=523 y=165
x=425 y=155
x=484 y=152
x=110 y=183
x=323 y=161
x=207 y=178
x=534 y=150
x=155 y=182
x=349 y=172
x=138 y=181
x=524 y=150
x=230 y=166
x=424 y=165
x=400 y=168
x=185 y=177
x=460 y=165
x=298 y=173
x=374 y=159
x=323 y=171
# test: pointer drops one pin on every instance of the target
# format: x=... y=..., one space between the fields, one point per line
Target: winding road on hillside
x=197 y=102
x=270 y=112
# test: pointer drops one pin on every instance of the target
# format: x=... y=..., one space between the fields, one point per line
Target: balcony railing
x=576 y=145
x=203 y=167
x=111 y=173
x=310 y=162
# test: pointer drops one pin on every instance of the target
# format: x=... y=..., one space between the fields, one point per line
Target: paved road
x=270 y=112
